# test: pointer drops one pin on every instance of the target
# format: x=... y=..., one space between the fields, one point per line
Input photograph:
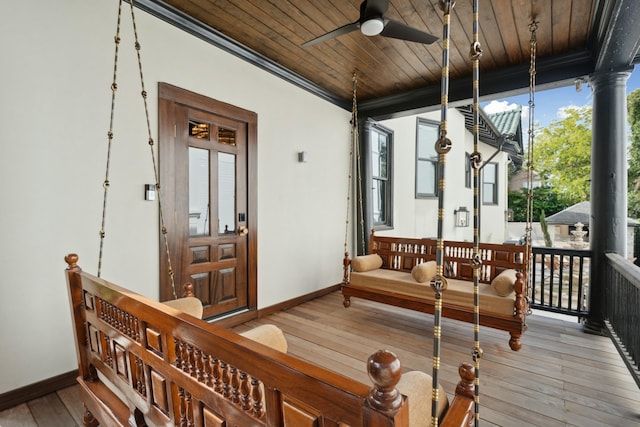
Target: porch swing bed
x=397 y=271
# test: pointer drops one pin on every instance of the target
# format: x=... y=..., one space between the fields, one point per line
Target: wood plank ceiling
x=276 y=29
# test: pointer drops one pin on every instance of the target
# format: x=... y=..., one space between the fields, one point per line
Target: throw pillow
x=504 y=282
x=424 y=272
x=364 y=263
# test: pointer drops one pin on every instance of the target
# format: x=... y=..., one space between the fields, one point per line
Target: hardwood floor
x=561 y=377
x=60 y=409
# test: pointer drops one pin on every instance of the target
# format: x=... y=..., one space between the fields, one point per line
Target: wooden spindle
x=245 y=390
x=217 y=376
x=258 y=407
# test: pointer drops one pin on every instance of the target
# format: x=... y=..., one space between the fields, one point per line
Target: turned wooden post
x=76 y=298
x=466 y=387
x=384 y=371
x=346 y=263
x=188 y=290
x=520 y=310
x=461 y=412
x=387 y=407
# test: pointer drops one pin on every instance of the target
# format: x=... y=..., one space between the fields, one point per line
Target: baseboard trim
x=297 y=301
x=33 y=391
x=247 y=316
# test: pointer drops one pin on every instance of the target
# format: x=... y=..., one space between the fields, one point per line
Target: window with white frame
x=490 y=184
x=427 y=134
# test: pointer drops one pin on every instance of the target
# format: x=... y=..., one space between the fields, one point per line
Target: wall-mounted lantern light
x=461 y=216
x=508 y=215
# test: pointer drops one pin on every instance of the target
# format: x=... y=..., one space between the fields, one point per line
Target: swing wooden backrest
x=141 y=361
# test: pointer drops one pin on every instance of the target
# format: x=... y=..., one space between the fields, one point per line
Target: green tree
x=544 y=199
x=563 y=155
x=633 y=192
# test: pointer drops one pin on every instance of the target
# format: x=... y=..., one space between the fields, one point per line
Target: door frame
x=168 y=97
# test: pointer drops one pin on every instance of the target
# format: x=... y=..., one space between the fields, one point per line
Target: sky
x=549 y=104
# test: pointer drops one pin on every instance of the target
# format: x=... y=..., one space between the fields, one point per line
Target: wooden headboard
x=402 y=253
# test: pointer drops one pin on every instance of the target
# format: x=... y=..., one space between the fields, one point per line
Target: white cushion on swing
x=504 y=283
x=424 y=272
x=366 y=263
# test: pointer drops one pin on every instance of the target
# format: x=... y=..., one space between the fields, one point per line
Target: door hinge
x=175 y=131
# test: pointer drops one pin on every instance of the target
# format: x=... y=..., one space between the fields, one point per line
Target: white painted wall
x=54 y=115
x=418 y=217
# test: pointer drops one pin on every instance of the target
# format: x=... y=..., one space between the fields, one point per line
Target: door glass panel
x=226 y=193
x=198 y=192
x=226 y=136
x=199 y=130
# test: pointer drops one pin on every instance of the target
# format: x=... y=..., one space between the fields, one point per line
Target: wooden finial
x=385 y=371
x=466 y=386
x=188 y=290
x=72 y=261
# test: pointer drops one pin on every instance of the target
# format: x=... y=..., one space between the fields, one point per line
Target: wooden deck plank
x=561 y=377
x=70 y=397
x=18 y=416
x=50 y=411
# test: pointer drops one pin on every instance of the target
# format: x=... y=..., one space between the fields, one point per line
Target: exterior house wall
x=56 y=76
x=418 y=217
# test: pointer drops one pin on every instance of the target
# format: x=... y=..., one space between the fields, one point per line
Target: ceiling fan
x=372 y=22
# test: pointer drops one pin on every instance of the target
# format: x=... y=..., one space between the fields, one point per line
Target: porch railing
x=560 y=280
x=622 y=309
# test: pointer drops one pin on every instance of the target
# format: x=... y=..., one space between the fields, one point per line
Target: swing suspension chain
x=475 y=54
x=359 y=188
x=533 y=27
x=150 y=142
x=354 y=154
x=351 y=154
x=105 y=184
x=163 y=228
x=442 y=147
x=476 y=262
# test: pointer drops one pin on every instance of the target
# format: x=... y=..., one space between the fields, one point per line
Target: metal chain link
x=533 y=27
x=150 y=142
x=442 y=147
x=354 y=156
x=105 y=184
x=476 y=261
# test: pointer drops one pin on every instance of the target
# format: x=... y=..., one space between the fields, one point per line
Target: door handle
x=243 y=231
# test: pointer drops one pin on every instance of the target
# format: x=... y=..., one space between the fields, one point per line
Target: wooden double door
x=207 y=151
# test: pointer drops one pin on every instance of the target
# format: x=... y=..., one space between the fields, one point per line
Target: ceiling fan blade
x=373 y=9
x=398 y=30
x=332 y=34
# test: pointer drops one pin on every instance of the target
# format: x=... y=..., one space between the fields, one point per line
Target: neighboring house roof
x=504 y=133
x=580 y=212
x=509 y=123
